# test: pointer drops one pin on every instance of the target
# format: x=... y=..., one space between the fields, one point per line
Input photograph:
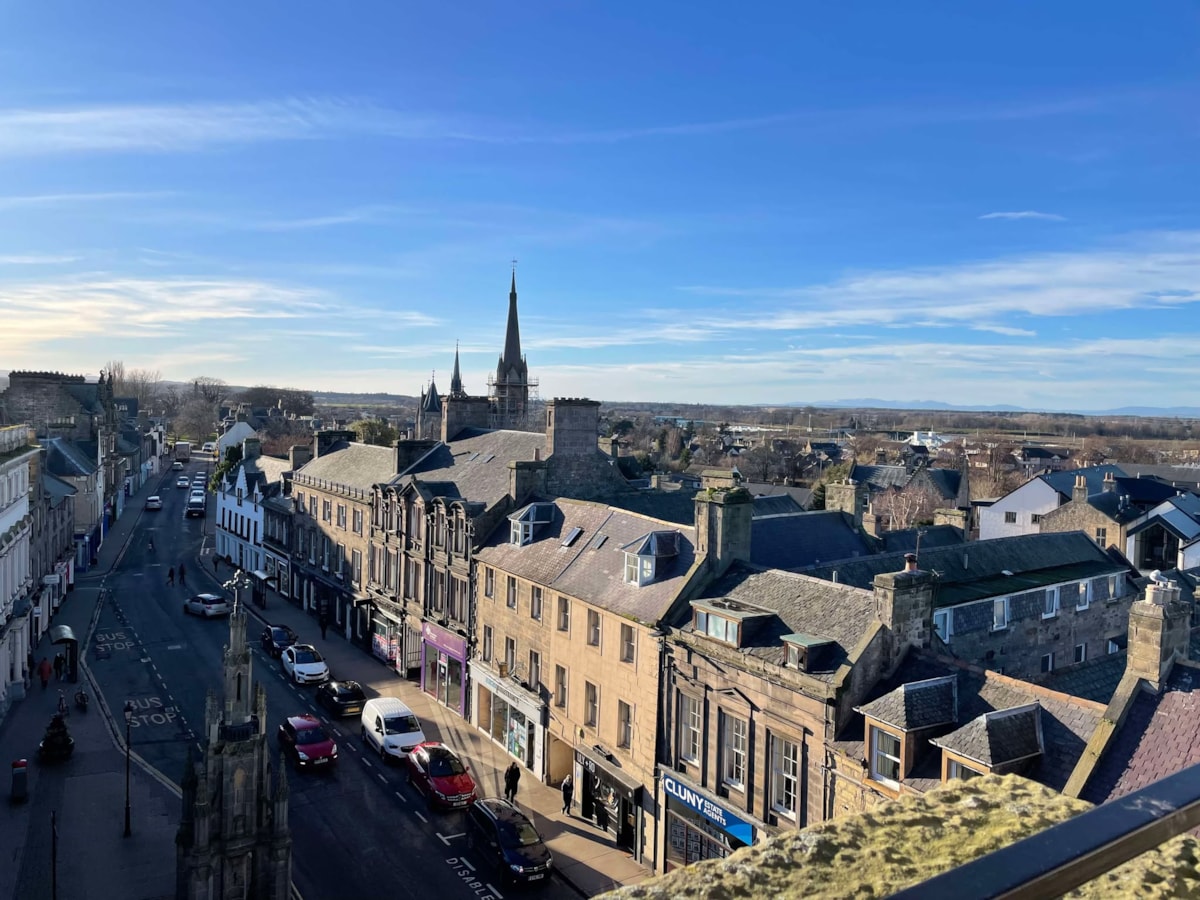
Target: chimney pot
x=910 y=562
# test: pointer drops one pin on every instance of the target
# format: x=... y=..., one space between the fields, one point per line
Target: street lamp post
x=128 y=723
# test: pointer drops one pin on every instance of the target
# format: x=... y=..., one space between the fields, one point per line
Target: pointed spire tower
x=456 y=388
x=429 y=413
x=510 y=390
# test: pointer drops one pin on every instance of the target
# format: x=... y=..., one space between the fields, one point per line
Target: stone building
x=332 y=499
x=18 y=586
x=564 y=675
x=240 y=527
x=511 y=389
x=233 y=841
x=52 y=543
x=1107 y=514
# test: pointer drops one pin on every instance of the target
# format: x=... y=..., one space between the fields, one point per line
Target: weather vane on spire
x=514 y=267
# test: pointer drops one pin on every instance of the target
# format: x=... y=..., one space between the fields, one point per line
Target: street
x=356 y=829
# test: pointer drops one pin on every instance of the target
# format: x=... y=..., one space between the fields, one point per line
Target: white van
x=390 y=728
x=209 y=447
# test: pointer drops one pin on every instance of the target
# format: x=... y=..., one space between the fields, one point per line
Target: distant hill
x=1170 y=412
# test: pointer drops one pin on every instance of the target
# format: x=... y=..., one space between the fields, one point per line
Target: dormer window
x=522 y=534
x=643 y=555
x=523 y=522
x=805 y=651
x=717 y=626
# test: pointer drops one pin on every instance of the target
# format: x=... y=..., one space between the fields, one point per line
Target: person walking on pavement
x=44 y=672
x=171 y=575
x=59 y=662
x=216 y=563
x=182 y=575
x=324 y=623
x=512 y=776
x=568 y=793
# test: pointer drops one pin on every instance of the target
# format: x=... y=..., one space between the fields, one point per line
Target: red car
x=437 y=772
x=305 y=740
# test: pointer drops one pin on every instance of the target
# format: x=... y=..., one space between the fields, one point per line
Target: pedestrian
x=171 y=575
x=324 y=622
x=512 y=776
x=44 y=672
x=568 y=793
x=216 y=562
x=601 y=814
x=59 y=662
x=182 y=575
x=30 y=666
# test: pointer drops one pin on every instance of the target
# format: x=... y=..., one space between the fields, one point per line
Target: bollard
x=20 y=780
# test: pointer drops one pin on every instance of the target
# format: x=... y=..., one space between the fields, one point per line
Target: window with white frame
x=560 y=686
x=1048 y=661
x=535 y=670
x=591 y=704
x=691 y=716
x=326 y=510
x=999 y=613
x=628 y=643
x=624 y=724
x=1080 y=653
x=357 y=520
x=1050 y=603
x=341 y=516
x=487 y=643
x=535 y=603
x=943 y=623
x=885 y=757
x=510 y=654
x=489 y=582
x=1113 y=646
x=955 y=769
x=564 y=614
x=593 y=628
x=356 y=566
x=511 y=593
x=1101 y=535
x=785 y=776
x=631 y=568
x=734 y=741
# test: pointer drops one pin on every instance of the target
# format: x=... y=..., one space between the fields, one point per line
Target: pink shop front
x=444 y=666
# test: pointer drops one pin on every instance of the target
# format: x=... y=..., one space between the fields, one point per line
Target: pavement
x=586 y=858
x=66 y=839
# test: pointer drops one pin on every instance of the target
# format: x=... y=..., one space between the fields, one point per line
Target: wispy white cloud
x=72 y=199
x=1025 y=214
x=37 y=259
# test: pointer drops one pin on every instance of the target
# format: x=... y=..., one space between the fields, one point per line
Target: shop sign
x=715 y=813
x=450 y=644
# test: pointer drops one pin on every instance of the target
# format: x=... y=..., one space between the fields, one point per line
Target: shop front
x=610 y=797
x=386 y=629
x=513 y=718
x=700 y=826
x=443 y=662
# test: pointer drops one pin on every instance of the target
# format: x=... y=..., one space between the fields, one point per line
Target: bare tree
x=908 y=506
x=211 y=389
x=195 y=419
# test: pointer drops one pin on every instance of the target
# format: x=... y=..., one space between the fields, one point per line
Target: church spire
x=512 y=337
x=456 y=388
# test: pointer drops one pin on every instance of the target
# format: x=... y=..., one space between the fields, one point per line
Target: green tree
x=375 y=431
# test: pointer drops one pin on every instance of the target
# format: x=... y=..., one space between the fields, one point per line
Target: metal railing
x=1064 y=856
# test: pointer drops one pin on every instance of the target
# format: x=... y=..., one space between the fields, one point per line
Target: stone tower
x=429 y=412
x=510 y=387
x=233 y=841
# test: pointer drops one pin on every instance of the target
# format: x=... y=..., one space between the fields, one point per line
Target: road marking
x=488 y=885
x=403 y=799
x=421 y=817
x=381 y=777
x=174 y=646
x=447 y=838
x=139 y=574
x=466 y=862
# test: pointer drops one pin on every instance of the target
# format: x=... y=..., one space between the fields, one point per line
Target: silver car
x=206 y=605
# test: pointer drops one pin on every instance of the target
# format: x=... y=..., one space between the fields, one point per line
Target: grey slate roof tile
x=998 y=737
x=352 y=465
x=1096 y=679
x=473 y=466
x=804 y=539
x=917 y=704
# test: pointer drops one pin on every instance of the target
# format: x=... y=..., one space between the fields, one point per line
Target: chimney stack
x=910 y=562
x=1110 y=482
x=1159 y=629
x=1080 y=493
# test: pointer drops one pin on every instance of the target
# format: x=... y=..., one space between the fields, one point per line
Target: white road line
x=139 y=574
x=403 y=799
x=421 y=817
x=174 y=646
x=466 y=862
x=381 y=777
x=447 y=838
x=495 y=892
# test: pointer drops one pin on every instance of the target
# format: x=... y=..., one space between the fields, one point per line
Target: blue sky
x=979 y=204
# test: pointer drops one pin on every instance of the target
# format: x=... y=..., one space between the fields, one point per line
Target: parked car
x=304 y=664
x=182 y=481
x=306 y=741
x=342 y=698
x=507 y=840
x=276 y=638
x=154 y=502
x=390 y=728
x=437 y=772
x=207 y=605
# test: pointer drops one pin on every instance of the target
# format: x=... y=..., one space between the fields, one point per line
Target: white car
x=304 y=664
x=154 y=502
x=207 y=605
x=182 y=481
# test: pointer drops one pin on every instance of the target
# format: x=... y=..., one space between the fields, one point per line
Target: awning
x=602 y=766
x=62 y=634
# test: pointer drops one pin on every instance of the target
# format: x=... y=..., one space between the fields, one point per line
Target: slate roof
x=802 y=495
x=1160 y=736
x=975 y=571
x=473 y=466
x=917 y=704
x=353 y=465
x=676 y=505
x=1093 y=476
x=879 y=478
x=776 y=505
x=1096 y=679
x=592 y=568
x=799 y=605
x=1067 y=722
x=1179 y=515
x=67 y=459
x=1181 y=477
x=263 y=473
x=930 y=536
x=804 y=539
x=998 y=737
x=57 y=489
x=87 y=394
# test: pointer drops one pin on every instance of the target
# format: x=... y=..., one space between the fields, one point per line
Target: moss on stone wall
x=903 y=843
